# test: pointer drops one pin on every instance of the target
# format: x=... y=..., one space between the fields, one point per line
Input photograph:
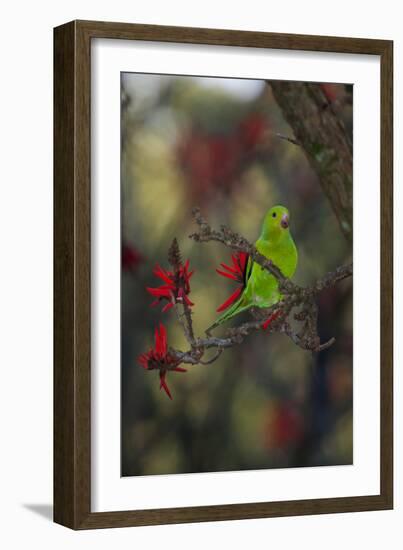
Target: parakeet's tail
x=236 y=308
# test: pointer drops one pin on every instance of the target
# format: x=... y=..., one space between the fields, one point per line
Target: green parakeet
x=276 y=244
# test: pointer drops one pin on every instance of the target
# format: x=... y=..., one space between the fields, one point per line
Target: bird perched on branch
x=261 y=287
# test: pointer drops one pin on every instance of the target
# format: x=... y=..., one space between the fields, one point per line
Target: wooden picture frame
x=72 y=271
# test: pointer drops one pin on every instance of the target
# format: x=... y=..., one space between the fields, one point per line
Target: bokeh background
x=213 y=143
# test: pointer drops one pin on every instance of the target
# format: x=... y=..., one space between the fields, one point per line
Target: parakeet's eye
x=274 y=214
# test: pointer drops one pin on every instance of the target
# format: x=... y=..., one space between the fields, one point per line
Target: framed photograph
x=222 y=275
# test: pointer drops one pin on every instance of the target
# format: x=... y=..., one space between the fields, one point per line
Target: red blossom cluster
x=159 y=358
x=285 y=426
x=131 y=257
x=333 y=92
x=176 y=286
x=175 y=290
x=210 y=160
x=253 y=131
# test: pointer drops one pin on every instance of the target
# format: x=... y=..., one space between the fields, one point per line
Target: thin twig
x=287 y=138
x=186 y=327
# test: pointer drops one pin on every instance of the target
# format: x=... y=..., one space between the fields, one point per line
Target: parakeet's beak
x=285 y=221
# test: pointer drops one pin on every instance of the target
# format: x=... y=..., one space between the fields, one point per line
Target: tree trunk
x=322 y=136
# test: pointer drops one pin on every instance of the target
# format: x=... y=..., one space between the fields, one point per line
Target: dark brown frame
x=72 y=319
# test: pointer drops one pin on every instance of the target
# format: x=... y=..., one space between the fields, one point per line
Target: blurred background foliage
x=264 y=404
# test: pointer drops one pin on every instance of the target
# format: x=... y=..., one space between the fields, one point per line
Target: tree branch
x=273 y=319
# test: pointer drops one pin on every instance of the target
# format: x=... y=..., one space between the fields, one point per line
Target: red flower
x=236 y=272
x=333 y=92
x=131 y=258
x=176 y=287
x=272 y=318
x=253 y=130
x=209 y=161
x=212 y=160
x=285 y=426
x=160 y=358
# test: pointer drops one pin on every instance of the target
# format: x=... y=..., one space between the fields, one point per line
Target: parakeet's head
x=276 y=222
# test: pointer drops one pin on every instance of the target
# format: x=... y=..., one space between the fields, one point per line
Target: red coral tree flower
x=131 y=258
x=160 y=358
x=272 y=318
x=176 y=286
x=253 y=131
x=237 y=273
